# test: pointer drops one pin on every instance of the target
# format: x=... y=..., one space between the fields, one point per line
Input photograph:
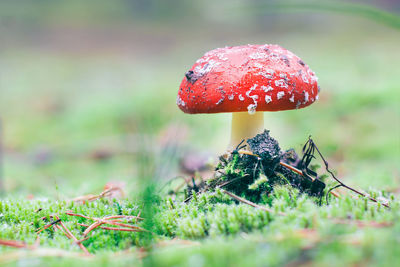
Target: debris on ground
x=253 y=169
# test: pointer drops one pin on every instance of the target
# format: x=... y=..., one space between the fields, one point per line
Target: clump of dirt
x=252 y=170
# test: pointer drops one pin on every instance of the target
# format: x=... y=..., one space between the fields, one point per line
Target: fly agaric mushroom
x=247 y=80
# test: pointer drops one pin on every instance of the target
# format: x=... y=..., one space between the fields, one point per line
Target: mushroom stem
x=244 y=126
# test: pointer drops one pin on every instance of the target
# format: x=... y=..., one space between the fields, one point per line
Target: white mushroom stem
x=245 y=126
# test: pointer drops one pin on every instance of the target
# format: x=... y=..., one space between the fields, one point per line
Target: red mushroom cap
x=247 y=78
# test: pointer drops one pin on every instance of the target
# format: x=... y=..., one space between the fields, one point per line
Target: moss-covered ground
x=212 y=229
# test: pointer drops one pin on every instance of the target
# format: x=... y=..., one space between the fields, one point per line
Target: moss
x=224 y=227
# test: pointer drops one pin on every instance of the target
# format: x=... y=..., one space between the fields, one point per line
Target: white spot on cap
x=269 y=74
x=241 y=98
x=200 y=71
x=267 y=88
x=222 y=57
x=304 y=78
x=258 y=55
x=306 y=96
x=281 y=83
x=274 y=57
x=257 y=65
x=252 y=108
x=291 y=98
x=180 y=102
x=280 y=94
x=316 y=97
x=220 y=100
x=251 y=89
x=231 y=97
x=268 y=99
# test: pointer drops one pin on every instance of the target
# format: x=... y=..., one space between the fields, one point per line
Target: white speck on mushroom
x=274 y=57
x=280 y=94
x=202 y=60
x=311 y=73
x=200 y=71
x=291 y=98
x=316 y=97
x=314 y=77
x=281 y=83
x=252 y=108
x=222 y=57
x=180 y=102
x=306 y=95
x=241 y=98
x=298 y=104
x=283 y=75
x=231 y=97
x=267 y=88
x=268 y=99
x=251 y=89
x=269 y=74
x=257 y=65
x=304 y=78
x=258 y=55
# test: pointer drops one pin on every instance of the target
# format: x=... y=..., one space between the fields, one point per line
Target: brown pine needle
x=70 y=213
x=92 y=227
x=47 y=226
x=74 y=238
x=245 y=201
x=113 y=228
x=13 y=243
x=363 y=224
x=77 y=215
x=115 y=220
x=80 y=241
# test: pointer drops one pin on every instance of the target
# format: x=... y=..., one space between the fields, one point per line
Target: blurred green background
x=88 y=88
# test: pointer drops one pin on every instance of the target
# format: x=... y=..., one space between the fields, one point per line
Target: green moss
x=216 y=220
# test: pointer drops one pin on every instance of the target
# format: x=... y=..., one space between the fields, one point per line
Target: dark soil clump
x=254 y=171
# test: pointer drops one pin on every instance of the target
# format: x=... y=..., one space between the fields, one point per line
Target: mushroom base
x=245 y=126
